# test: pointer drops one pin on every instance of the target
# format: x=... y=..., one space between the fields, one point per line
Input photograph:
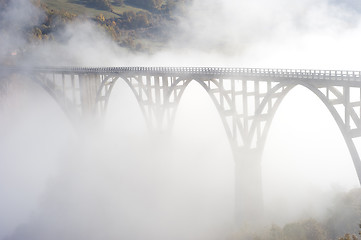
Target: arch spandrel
x=338 y=101
x=158 y=96
x=55 y=86
x=246 y=111
x=332 y=96
x=104 y=90
x=81 y=95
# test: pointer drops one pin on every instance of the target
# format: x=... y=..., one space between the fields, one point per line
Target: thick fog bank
x=121 y=183
x=124 y=183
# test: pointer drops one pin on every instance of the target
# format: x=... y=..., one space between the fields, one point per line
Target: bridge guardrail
x=332 y=75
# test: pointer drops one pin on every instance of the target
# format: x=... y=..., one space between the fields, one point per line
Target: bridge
x=246 y=100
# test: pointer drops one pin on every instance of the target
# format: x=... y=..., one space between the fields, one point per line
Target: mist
x=121 y=182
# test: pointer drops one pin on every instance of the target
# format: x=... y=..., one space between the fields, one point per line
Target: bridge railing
x=288 y=73
x=342 y=75
x=334 y=75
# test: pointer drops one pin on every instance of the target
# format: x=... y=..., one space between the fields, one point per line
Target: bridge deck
x=337 y=77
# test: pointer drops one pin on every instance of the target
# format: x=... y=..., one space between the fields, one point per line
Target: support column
x=248 y=192
x=90 y=115
x=89 y=85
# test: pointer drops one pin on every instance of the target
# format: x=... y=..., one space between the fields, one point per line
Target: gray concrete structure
x=246 y=99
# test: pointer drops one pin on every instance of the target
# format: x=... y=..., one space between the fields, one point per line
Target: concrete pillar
x=90 y=116
x=248 y=192
x=89 y=85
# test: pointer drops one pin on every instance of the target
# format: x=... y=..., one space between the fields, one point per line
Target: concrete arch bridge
x=246 y=99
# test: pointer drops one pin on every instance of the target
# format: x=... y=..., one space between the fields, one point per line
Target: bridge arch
x=63 y=102
x=341 y=125
x=239 y=132
x=159 y=95
x=281 y=89
x=74 y=93
x=244 y=155
x=220 y=108
x=331 y=108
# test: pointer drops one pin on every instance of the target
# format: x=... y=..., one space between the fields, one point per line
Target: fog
x=120 y=181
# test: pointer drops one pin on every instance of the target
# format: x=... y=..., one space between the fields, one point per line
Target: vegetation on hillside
x=149 y=4
x=139 y=25
x=342 y=223
x=134 y=24
x=101 y=4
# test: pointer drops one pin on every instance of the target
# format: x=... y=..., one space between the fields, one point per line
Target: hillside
x=136 y=24
x=85 y=8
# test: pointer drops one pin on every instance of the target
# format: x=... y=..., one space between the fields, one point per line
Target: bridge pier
x=89 y=85
x=248 y=186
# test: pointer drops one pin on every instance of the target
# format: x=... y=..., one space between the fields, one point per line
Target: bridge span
x=246 y=99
